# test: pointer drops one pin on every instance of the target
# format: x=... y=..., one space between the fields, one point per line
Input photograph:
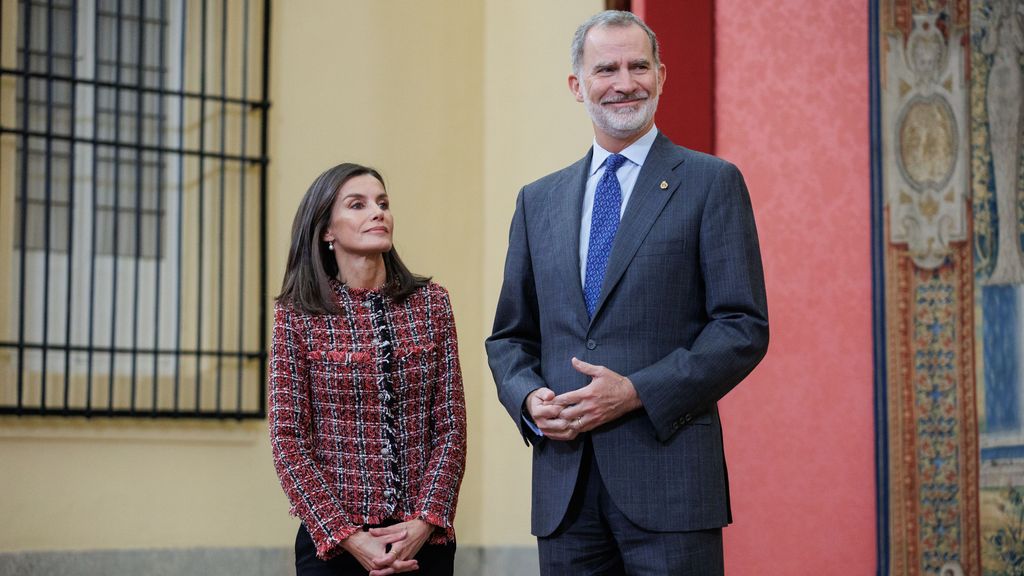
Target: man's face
x=618 y=82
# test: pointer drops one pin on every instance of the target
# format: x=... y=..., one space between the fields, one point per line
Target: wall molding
x=469 y=561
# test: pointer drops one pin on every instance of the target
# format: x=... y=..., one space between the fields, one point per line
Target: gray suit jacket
x=682 y=313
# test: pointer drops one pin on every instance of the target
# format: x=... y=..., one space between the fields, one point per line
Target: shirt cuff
x=530 y=424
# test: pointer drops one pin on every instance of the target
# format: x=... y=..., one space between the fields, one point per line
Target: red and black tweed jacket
x=367 y=413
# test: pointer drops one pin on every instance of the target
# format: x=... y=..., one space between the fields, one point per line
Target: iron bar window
x=133 y=157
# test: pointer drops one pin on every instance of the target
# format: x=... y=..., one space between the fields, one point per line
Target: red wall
x=792 y=113
x=787 y=101
x=686 y=39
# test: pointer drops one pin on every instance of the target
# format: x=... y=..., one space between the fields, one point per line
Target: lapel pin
x=664 y=185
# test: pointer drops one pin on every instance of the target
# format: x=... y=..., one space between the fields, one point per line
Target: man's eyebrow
x=612 y=64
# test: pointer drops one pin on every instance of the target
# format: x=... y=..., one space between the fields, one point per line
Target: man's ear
x=576 y=87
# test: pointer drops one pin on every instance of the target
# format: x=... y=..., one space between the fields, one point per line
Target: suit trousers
x=595 y=538
x=434 y=560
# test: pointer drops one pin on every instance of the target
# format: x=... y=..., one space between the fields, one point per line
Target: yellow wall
x=533 y=126
x=8 y=151
x=458 y=103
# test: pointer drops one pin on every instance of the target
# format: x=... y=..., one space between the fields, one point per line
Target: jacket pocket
x=660 y=248
x=336 y=373
x=413 y=351
x=336 y=356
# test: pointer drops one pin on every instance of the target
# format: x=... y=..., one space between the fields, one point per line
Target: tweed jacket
x=368 y=426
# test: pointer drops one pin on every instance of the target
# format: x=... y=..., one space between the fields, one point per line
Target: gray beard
x=624 y=123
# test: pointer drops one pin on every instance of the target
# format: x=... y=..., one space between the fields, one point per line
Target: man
x=633 y=300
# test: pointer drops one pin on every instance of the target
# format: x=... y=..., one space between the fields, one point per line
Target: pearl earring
x=330 y=245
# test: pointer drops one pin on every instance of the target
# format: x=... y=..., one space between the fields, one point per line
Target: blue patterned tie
x=603 y=224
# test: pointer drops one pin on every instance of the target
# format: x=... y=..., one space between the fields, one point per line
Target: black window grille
x=133 y=157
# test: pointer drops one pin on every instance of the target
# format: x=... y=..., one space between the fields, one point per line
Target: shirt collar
x=635 y=152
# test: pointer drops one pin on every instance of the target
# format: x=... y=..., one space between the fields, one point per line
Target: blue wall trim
x=1002 y=453
x=1001 y=374
x=878 y=296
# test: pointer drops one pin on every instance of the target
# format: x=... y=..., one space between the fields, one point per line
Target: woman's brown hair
x=311 y=265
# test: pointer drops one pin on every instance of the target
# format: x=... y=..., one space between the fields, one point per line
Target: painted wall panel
x=792 y=113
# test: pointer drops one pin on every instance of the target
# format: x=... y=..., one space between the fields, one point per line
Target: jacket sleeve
x=513 y=348
x=290 y=410
x=688 y=381
x=439 y=493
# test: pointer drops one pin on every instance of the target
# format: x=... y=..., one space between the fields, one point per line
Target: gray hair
x=604 y=19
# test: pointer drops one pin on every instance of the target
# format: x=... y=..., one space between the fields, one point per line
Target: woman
x=367 y=416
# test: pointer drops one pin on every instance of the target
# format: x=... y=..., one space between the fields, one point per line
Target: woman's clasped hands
x=390 y=549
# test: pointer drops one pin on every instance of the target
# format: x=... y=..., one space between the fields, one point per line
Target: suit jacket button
x=591 y=344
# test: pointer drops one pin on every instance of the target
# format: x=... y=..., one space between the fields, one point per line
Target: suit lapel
x=645 y=204
x=568 y=208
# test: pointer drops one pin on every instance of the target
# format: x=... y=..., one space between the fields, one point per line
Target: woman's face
x=361 y=221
